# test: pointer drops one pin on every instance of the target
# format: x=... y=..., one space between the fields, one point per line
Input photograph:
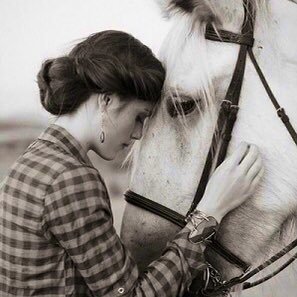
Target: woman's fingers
x=257 y=179
x=250 y=158
x=254 y=169
x=239 y=154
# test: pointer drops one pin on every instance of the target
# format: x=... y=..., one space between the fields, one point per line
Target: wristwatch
x=202 y=226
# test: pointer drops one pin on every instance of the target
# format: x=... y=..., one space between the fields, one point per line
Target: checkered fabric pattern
x=57 y=236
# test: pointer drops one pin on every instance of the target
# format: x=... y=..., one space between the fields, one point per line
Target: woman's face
x=122 y=123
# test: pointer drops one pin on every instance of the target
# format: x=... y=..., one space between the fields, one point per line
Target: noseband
x=214 y=285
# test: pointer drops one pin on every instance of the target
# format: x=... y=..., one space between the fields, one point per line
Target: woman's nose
x=137 y=133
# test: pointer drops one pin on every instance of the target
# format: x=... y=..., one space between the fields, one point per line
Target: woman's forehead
x=141 y=105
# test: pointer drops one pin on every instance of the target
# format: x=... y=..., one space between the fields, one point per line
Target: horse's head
x=198 y=72
x=170 y=158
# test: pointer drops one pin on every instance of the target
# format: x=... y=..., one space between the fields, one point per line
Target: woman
x=56 y=227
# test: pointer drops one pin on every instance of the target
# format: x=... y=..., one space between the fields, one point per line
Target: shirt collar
x=61 y=137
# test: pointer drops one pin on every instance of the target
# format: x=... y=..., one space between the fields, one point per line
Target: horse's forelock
x=202 y=10
x=207 y=11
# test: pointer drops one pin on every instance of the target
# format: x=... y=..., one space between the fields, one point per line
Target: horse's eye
x=175 y=108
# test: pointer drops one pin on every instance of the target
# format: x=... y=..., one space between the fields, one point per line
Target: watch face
x=204 y=230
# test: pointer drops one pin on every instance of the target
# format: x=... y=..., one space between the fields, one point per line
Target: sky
x=34 y=30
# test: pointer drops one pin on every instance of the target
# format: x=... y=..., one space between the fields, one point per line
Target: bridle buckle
x=229 y=108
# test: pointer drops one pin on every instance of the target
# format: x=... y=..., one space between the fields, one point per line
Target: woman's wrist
x=210 y=210
x=202 y=226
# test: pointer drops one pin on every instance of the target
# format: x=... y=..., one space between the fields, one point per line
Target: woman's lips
x=126 y=144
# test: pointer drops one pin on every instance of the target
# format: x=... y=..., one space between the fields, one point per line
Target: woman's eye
x=140 y=119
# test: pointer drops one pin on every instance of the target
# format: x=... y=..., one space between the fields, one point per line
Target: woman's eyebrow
x=148 y=112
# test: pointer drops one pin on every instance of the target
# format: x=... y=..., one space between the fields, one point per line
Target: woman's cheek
x=129 y=130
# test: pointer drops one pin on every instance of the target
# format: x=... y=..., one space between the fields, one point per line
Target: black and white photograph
x=148 y=148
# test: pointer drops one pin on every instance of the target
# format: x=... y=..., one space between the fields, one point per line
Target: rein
x=224 y=286
x=220 y=141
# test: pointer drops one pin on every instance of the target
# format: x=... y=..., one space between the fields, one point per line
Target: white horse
x=169 y=159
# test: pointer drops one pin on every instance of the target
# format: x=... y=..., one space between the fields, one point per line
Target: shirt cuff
x=193 y=254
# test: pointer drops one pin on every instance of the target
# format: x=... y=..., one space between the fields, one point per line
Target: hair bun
x=56 y=78
x=112 y=62
x=45 y=70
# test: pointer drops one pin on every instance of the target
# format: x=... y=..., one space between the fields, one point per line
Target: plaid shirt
x=57 y=236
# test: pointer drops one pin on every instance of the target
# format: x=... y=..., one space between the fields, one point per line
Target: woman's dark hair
x=106 y=62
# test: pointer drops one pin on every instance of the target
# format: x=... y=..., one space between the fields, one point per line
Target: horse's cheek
x=145 y=234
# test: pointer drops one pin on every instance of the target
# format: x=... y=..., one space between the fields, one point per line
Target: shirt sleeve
x=78 y=214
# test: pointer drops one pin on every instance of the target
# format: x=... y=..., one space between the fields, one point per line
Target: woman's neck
x=77 y=127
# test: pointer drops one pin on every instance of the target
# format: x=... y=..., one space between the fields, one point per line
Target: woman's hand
x=232 y=182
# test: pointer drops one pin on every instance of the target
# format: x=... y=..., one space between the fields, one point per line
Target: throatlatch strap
x=280 y=111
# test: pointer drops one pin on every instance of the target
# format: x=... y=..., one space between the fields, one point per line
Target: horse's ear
x=202 y=10
x=164 y=6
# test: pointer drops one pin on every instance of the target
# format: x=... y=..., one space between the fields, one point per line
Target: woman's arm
x=78 y=215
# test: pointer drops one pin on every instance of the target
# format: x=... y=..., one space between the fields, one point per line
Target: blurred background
x=34 y=30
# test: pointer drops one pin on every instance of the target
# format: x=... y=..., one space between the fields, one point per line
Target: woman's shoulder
x=44 y=163
x=49 y=154
x=79 y=175
x=77 y=187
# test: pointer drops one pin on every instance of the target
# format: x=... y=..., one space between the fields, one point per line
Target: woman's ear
x=107 y=99
x=104 y=101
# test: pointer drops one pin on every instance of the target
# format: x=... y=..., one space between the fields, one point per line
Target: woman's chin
x=107 y=156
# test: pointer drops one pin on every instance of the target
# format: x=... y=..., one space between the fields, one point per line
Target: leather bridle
x=226 y=119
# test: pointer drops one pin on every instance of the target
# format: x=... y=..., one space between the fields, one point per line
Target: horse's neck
x=275 y=199
x=275 y=33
